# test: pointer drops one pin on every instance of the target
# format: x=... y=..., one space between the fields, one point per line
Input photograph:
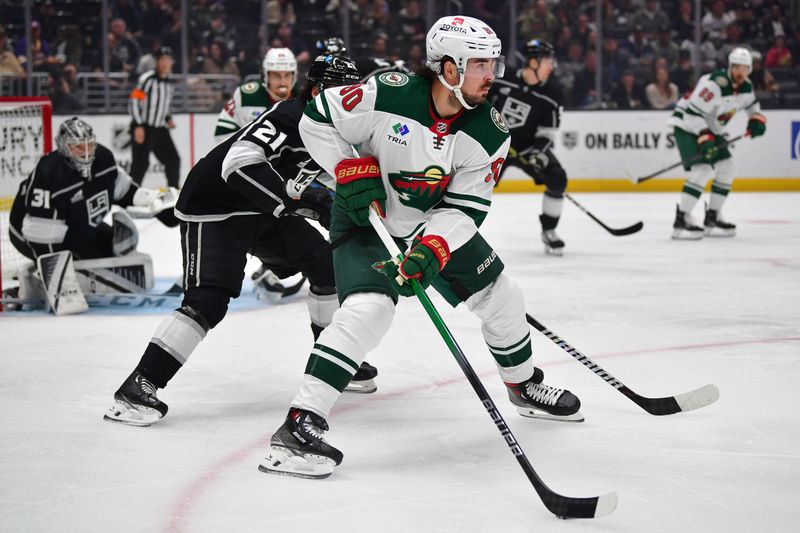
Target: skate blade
x=558 y=252
x=719 y=232
x=282 y=461
x=366 y=386
x=684 y=235
x=529 y=412
x=125 y=413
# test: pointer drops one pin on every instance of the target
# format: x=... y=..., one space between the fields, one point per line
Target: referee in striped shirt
x=149 y=104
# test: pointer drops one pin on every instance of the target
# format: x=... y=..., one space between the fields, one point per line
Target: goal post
x=26 y=135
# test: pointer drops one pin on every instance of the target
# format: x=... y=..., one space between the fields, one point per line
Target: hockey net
x=25 y=136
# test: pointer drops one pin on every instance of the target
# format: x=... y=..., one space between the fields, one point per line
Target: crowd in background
x=648 y=49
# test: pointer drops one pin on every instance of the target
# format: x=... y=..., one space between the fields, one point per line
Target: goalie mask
x=76 y=142
x=462 y=38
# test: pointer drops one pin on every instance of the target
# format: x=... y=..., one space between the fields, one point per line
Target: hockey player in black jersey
x=60 y=207
x=250 y=194
x=531 y=105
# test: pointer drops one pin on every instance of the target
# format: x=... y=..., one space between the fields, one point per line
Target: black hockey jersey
x=532 y=112
x=248 y=173
x=58 y=209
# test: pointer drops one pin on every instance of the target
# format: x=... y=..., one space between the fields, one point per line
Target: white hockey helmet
x=462 y=38
x=741 y=56
x=279 y=60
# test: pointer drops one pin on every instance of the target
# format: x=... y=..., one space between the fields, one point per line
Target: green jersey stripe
x=329 y=372
x=514 y=358
x=313 y=113
x=502 y=350
x=478 y=216
x=467 y=197
x=330 y=352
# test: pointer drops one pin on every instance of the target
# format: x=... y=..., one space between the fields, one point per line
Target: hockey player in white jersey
x=251 y=99
x=699 y=121
x=429 y=151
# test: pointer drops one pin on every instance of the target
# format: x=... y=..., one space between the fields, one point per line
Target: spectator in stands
x=219 y=30
x=794 y=47
x=156 y=17
x=716 y=20
x=638 y=46
x=664 y=46
x=747 y=22
x=48 y=19
x=706 y=55
x=569 y=67
x=279 y=11
x=411 y=25
x=650 y=18
x=124 y=51
x=68 y=48
x=9 y=64
x=661 y=93
x=733 y=39
x=381 y=19
x=130 y=11
x=147 y=61
x=683 y=74
x=624 y=12
x=775 y=23
x=295 y=44
x=628 y=93
x=536 y=21
x=615 y=62
x=60 y=90
x=779 y=56
x=761 y=78
x=415 y=55
x=171 y=34
x=584 y=93
x=684 y=22
x=40 y=49
x=584 y=31
x=218 y=61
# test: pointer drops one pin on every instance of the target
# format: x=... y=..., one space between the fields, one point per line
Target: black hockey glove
x=315 y=203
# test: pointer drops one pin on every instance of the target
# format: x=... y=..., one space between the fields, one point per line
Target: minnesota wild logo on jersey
x=420 y=190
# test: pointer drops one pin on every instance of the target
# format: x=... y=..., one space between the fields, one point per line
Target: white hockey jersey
x=712 y=103
x=438 y=173
x=249 y=100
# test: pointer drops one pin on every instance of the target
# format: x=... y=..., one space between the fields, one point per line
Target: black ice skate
x=684 y=227
x=135 y=403
x=553 y=245
x=534 y=399
x=298 y=448
x=363 y=381
x=714 y=226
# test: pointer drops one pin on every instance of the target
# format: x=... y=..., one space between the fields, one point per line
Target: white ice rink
x=421 y=454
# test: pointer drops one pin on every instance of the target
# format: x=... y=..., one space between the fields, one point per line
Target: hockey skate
x=298 y=448
x=685 y=228
x=534 y=399
x=267 y=285
x=553 y=245
x=714 y=226
x=363 y=381
x=135 y=403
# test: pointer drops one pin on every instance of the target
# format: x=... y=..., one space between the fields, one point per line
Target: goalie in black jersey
x=58 y=215
x=251 y=194
x=531 y=105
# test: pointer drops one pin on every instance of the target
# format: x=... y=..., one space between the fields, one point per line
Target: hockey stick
x=691 y=160
x=613 y=231
x=561 y=506
x=669 y=405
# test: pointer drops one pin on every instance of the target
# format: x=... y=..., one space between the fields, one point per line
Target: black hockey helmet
x=330 y=71
x=332 y=46
x=537 y=49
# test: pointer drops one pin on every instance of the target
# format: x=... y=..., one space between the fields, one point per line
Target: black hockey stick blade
x=688 y=401
x=617 y=232
x=565 y=507
x=293 y=289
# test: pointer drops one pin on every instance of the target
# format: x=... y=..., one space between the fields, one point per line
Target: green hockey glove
x=707 y=144
x=427 y=257
x=359 y=184
x=757 y=125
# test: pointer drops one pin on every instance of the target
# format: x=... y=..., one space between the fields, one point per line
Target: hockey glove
x=707 y=144
x=539 y=162
x=150 y=202
x=359 y=184
x=315 y=203
x=427 y=257
x=757 y=125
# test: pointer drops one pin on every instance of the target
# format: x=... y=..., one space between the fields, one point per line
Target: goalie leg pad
x=125 y=233
x=63 y=294
x=132 y=273
x=501 y=308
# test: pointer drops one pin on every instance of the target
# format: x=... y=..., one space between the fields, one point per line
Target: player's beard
x=476 y=99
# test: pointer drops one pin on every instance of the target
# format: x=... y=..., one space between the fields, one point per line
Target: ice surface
x=421 y=454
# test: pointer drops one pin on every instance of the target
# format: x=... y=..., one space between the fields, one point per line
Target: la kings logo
x=515 y=112
x=569 y=139
x=97 y=207
x=420 y=190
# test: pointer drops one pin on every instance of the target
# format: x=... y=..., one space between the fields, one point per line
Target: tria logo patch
x=400 y=129
x=420 y=190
